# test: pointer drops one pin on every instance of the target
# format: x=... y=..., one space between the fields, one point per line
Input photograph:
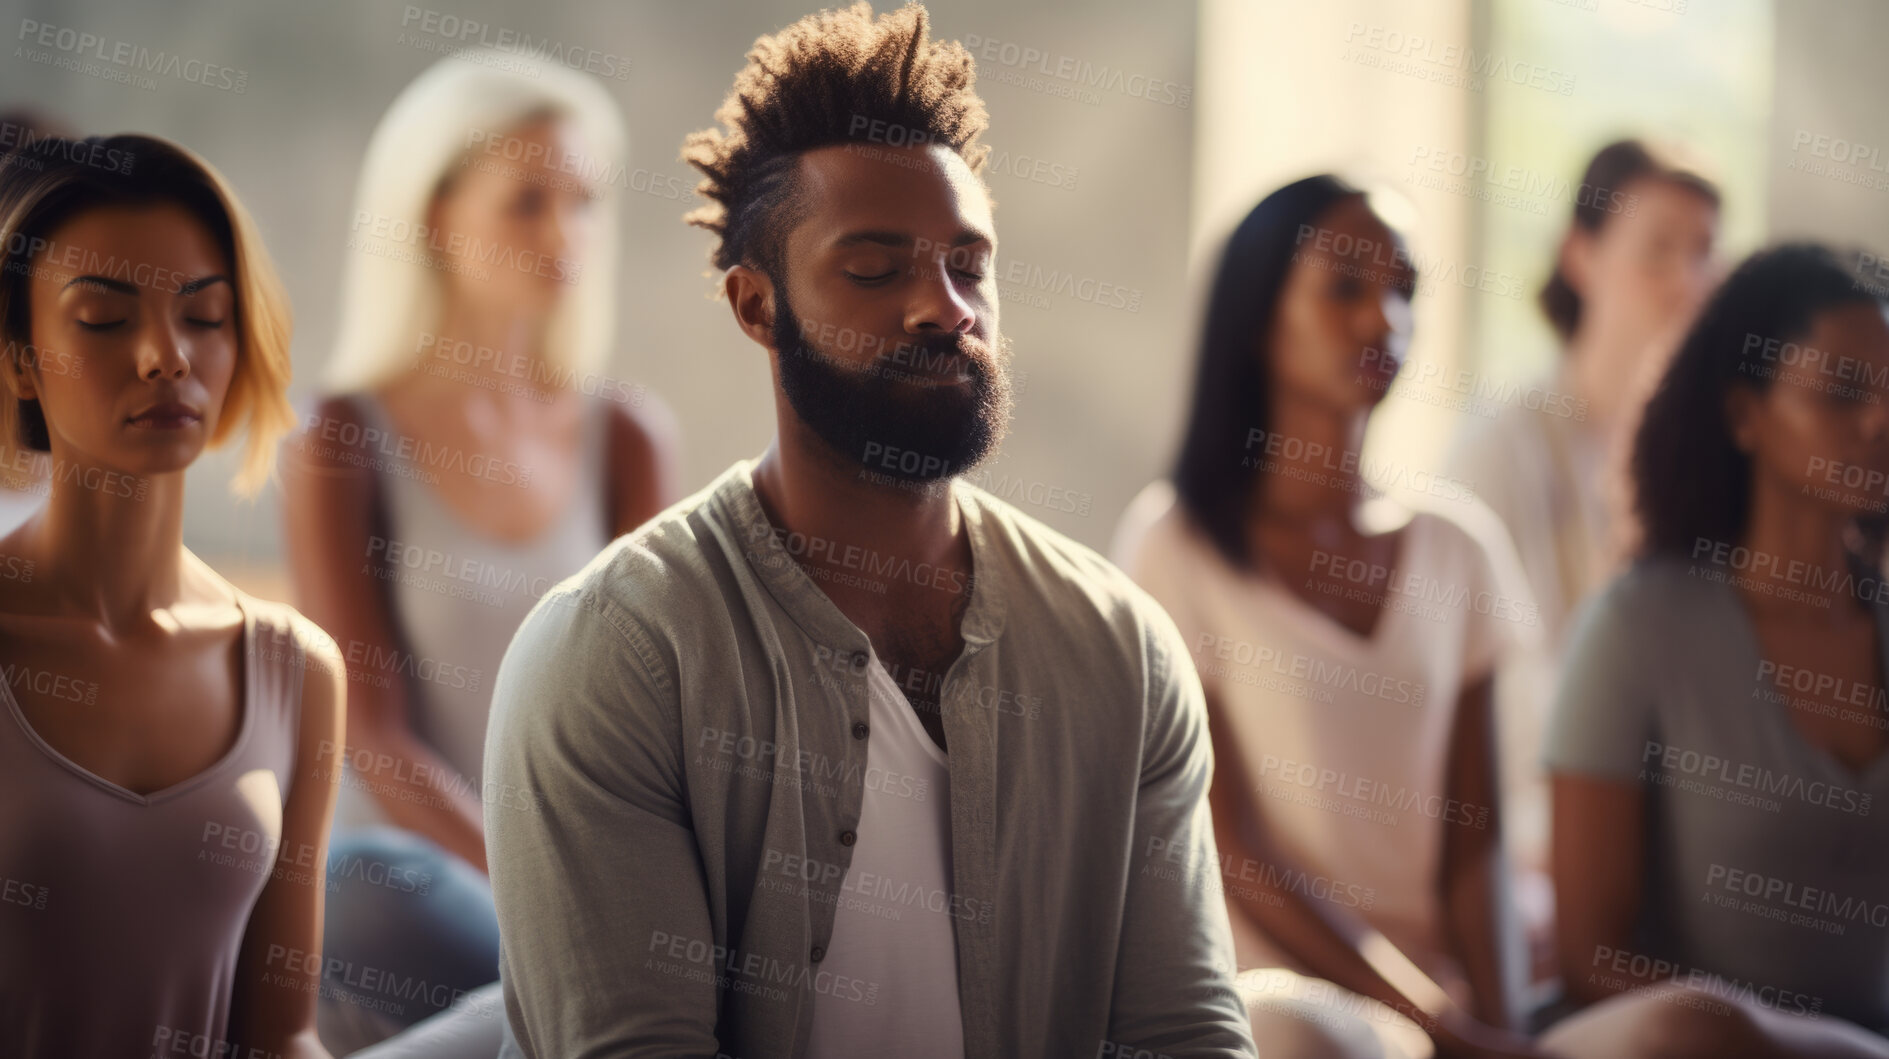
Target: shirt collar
x=810 y=608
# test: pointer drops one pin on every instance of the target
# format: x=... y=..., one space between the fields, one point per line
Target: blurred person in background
x=164 y=796
x=1638 y=258
x=1721 y=849
x=470 y=452
x=1375 y=918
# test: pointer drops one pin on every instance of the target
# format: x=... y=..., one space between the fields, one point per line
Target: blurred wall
x=1829 y=127
x=1091 y=182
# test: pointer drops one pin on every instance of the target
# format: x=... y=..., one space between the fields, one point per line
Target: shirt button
x=818 y=953
x=860 y=658
x=847 y=838
x=860 y=729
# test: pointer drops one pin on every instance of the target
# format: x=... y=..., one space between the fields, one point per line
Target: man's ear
x=751 y=298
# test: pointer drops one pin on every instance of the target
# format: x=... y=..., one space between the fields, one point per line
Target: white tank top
x=457 y=594
x=893 y=929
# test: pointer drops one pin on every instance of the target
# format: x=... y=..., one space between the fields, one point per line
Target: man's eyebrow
x=881 y=238
x=900 y=240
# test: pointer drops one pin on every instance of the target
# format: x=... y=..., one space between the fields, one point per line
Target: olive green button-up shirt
x=678 y=739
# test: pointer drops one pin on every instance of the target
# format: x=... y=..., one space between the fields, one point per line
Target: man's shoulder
x=1058 y=577
x=660 y=573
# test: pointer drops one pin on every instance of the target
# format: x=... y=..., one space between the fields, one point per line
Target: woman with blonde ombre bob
x=163 y=802
x=471 y=451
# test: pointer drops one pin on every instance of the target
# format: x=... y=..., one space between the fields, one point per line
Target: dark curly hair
x=833 y=77
x=1691 y=481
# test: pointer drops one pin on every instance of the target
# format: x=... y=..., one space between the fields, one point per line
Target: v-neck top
x=1766 y=859
x=1344 y=738
x=122 y=914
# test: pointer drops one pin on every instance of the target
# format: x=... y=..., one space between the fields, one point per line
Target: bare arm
x=1597 y=876
x=272 y=1011
x=1332 y=941
x=1473 y=868
x=645 y=464
x=329 y=519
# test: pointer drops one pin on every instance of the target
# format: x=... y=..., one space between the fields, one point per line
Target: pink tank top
x=122 y=915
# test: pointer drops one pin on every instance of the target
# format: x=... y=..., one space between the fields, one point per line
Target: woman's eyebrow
x=196 y=285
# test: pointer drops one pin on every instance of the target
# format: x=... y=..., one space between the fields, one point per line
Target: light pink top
x=1345 y=737
x=122 y=915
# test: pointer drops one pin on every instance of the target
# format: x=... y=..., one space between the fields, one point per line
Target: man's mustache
x=930 y=355
x=942 y=354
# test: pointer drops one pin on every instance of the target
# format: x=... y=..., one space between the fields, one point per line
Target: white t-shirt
x=893 y=928
x=1345 y=738
x=1547 y=479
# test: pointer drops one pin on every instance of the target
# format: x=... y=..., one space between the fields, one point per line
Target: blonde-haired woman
x=163 y=800
x=472 y=452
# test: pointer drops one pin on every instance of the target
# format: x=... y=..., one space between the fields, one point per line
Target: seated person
x=166 y=740
x=1717 y=749
x=842 y=756
x=1350 y=706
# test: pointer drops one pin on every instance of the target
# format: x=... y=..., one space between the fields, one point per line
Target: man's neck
x=849 y=521
x=807 y=489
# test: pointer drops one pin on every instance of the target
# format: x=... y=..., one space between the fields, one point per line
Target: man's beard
x=879 y=417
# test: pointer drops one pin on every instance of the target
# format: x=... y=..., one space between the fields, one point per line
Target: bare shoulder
x=299 y=641
x=328 y=438
x=642 y=425
x=283 y=634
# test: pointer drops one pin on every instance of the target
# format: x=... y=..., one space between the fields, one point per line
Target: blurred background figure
x=1718 y=743
x=24 y=474
x=1630 y=272
x=470 y=453
x=1301 y=588
x=1635 y=264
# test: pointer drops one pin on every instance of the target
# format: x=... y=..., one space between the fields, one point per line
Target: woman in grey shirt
x=1721 y=850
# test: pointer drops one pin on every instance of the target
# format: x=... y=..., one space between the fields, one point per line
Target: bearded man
x=842 y=756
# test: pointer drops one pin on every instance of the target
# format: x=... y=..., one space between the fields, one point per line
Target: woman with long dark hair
x=1346 y=645
x=1718 y=745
